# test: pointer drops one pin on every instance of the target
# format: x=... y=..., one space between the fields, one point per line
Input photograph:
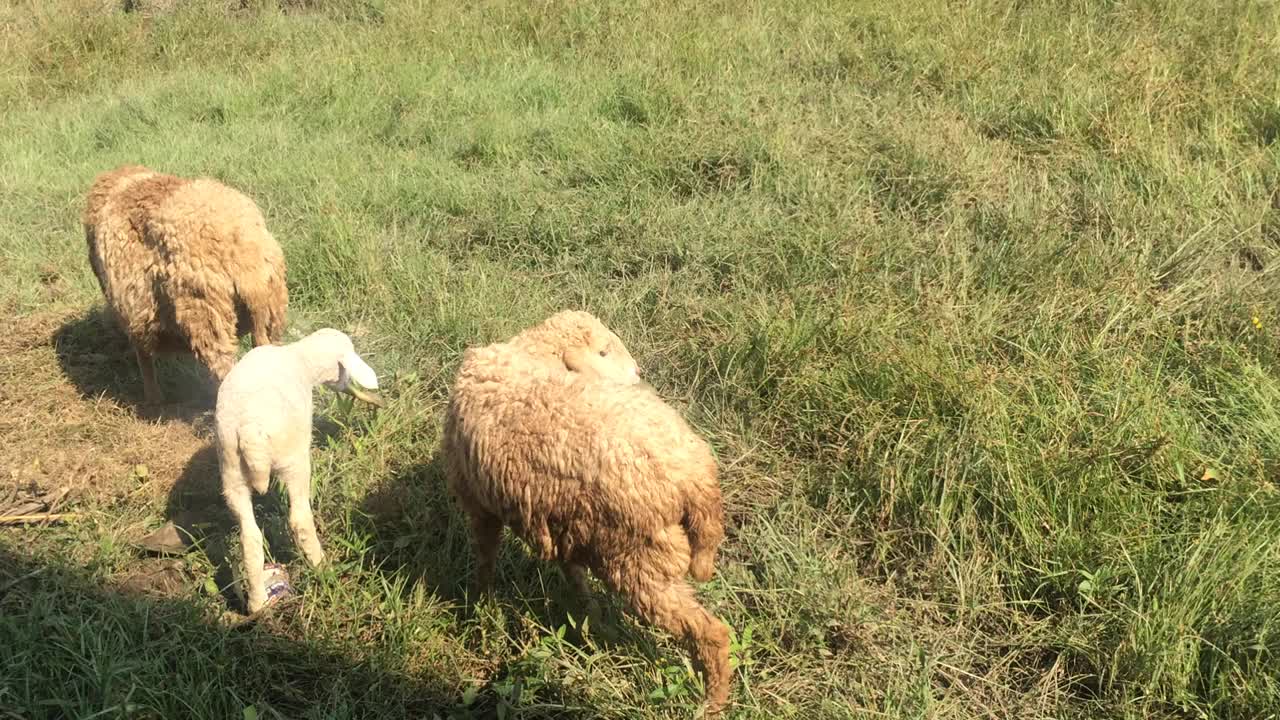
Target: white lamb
x=263 y=423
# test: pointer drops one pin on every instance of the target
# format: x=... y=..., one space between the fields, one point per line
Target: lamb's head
x=334 y=363
x=583 y=344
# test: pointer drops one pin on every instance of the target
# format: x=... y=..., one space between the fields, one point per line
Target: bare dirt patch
x=70 y=418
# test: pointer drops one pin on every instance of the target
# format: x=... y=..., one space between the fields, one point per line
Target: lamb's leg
x=675 y=608
x=296 y=477
x=147 y=366
x=486 y=535
x=240 y=502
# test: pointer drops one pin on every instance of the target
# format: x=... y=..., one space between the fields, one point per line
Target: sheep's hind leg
x=147 y=366
x=676 y=609
x=578 y=578
x=260 y=325
x=240 y=502
x=296 y=477
x=486 y=536
x=212 y=335
x=577 y=575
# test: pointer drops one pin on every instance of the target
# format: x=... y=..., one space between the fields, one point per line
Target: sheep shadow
x=417 y=531
x=197 y=511
x=58 y=615
x=200 y=521
x=96 y=357
x=414 y=532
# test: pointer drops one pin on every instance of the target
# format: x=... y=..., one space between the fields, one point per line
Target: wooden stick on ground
x=36 y=517
x=46 y=503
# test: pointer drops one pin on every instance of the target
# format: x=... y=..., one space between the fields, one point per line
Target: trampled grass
x=976 y=302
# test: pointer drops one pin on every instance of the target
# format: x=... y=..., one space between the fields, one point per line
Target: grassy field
x=976 y=302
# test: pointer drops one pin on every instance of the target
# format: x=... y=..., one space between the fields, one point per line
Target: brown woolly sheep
x=594 y=474
x=185 y=266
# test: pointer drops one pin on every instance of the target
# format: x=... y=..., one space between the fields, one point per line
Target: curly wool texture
x=595 y=474
x=185 y=266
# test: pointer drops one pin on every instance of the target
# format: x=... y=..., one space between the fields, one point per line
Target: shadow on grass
x=418 y=532
x=96 y=356
x=148 y=644
x=201 y=520
x=75 y=649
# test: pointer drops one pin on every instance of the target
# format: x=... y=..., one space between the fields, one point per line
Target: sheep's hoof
x=277 y=588
x=481 y=594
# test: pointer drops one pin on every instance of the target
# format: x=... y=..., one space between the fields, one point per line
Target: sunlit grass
x=968 y=300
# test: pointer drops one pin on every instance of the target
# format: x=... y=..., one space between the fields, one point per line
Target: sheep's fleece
x=185 y=266
x=589 y=473
x=263 y=423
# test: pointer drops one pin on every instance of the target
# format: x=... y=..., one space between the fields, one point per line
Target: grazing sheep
x=262 y=422
x=185 y=266
x=592 y=474
x=579 y=342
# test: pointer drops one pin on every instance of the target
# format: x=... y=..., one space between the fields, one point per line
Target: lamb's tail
x=703 y=523
x=245 y=457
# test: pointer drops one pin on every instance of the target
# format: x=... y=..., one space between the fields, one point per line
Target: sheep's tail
x=266 y=295
x=278 y=293
x=245 y=456
x=95 y=259
x=703 y=523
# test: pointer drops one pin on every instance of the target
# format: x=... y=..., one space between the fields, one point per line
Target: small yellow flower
x=1257 y=322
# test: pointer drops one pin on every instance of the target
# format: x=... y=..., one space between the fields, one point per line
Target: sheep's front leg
x=296 y=476
x=211 y=324
x=147 y=366
x=240 y=502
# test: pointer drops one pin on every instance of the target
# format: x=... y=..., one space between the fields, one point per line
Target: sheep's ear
x=573 y=359
x=359 y=370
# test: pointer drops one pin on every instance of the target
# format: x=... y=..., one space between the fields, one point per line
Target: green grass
x=963 y=295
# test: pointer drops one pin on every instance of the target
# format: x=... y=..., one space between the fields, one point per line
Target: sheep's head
x=336 y=365
x=585 y=346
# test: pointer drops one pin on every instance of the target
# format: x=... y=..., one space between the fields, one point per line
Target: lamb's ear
x=364 y=377
x=359 y=370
